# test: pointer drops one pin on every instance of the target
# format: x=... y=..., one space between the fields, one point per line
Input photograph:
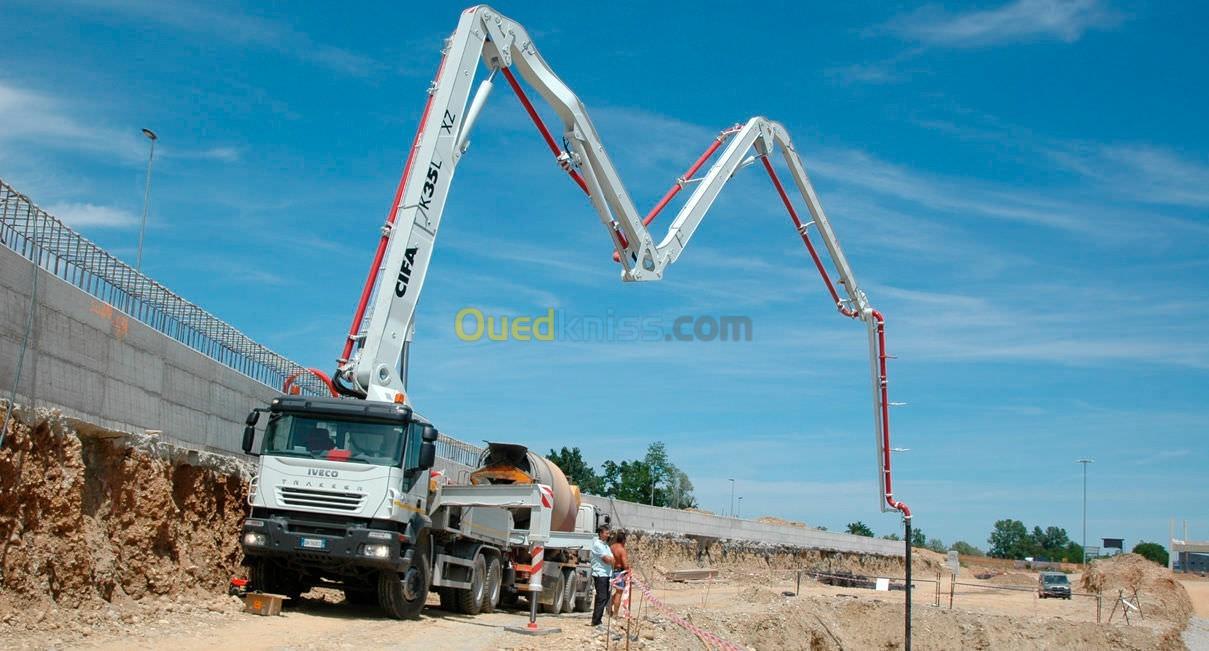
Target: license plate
x=313 y=543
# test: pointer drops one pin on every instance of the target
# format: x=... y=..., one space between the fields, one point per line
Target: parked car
x=1053 y=584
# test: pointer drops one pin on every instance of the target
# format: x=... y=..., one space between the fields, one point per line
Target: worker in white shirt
x=602 y=570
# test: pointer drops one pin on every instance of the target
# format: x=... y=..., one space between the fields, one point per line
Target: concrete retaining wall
x=99 y=365
x=656 y=519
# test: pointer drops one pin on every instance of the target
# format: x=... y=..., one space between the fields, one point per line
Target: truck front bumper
x=296 y=543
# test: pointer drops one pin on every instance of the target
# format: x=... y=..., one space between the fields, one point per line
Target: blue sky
x=1022 y=189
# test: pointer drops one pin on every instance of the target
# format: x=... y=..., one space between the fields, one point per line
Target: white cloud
x=1021 y=20
x=89 y=215
x=32 y=117
x=1145 y=173
x=211 y=22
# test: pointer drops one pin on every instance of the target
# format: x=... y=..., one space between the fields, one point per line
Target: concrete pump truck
x=344 y=495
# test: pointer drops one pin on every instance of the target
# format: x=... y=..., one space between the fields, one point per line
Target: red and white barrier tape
x=709 y=639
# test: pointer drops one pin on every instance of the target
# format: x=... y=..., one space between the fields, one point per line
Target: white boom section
x=483 y=34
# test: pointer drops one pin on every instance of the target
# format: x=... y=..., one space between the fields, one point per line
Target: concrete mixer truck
x=344 y=498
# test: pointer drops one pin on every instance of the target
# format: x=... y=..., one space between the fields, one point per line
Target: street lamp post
x=740 y=513
x=138 y=261
x=1085 y=462
x=732 y=498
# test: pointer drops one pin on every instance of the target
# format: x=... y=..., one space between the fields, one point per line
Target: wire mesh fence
x=54 y=247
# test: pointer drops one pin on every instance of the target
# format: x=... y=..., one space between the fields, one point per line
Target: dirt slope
x=89 y=517
x=1160 y=595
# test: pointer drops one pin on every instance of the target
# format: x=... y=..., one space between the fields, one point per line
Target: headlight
x=253 y=539
x=376 y=551
x=253 y=523
x=380 y=535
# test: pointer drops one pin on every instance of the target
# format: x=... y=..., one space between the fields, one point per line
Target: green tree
x=1049 y=544
x=1151 y=551
x=654 y=479
x=859 y=528
x=966 y=549
x=918 y=538
x=1073 y=553
x=628 y=480
x=937 y=546
x=1010 y=539
x=891 y=536
x=578 y=472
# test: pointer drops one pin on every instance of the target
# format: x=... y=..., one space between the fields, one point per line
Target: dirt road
x=1198 y=591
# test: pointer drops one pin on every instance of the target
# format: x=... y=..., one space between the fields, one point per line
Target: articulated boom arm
x=372 y=362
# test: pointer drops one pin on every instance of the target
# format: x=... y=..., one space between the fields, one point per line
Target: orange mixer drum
x=506 y=463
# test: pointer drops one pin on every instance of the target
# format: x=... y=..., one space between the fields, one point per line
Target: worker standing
x=602 y=571
x=621 y=567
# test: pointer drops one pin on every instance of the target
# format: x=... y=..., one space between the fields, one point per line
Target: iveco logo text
x=320 y=472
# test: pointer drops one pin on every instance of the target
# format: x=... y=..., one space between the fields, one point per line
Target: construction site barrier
x=707 y=638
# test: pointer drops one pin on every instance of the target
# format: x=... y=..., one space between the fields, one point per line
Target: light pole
x=1085 y=462
x=740 y=513
x=138 y=261
x=732 y=498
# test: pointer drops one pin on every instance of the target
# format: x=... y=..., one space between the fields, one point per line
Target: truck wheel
x=557 y=590
x=584 y=602
x=491 y=592
x=266 y=576
x=470 y=601
x=402 y=595
x=568 y=592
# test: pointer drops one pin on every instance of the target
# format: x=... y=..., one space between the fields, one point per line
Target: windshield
x=379 y=444
x=1059 y=579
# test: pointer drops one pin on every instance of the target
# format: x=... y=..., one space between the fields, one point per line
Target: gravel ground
x=1196 y=636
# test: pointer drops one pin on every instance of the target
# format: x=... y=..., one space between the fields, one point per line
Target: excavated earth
x=94 y=524
x=115 y=540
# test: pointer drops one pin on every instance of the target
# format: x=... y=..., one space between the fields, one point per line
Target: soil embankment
x=91 y=519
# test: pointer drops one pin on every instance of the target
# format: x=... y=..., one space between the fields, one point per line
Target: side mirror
x=428 y=455
x=249 y=432
x=249 y=436
x=429 y=434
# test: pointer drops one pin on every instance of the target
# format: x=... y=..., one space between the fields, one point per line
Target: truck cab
x=340 y=499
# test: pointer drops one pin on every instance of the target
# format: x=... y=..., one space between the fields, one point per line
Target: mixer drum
x=507 y=463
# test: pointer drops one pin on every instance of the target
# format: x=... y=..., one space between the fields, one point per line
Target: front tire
x=267 y=576
x=402 y=595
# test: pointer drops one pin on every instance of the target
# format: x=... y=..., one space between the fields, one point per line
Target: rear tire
x=558 y=591
x=491 y=592
x=583 y=603
x=568 y=592
x=402 y=596
x=470 y=601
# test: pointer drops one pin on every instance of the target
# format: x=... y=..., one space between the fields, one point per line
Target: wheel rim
x=411 y=584
x=495 y=586
x=477 y=582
